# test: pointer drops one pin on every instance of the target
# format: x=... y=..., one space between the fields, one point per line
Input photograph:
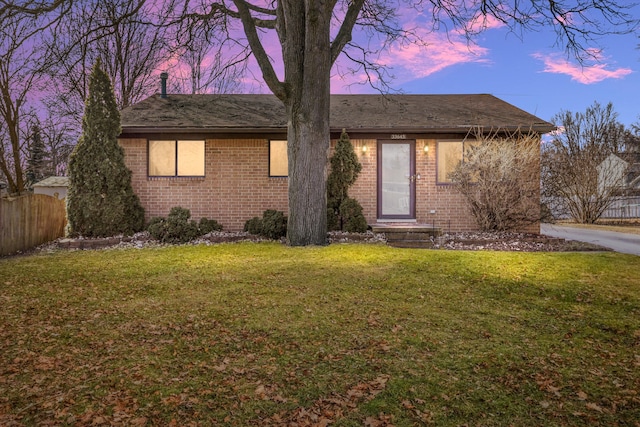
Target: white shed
x=55 y=186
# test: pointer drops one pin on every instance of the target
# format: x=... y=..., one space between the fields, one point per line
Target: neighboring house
x=620 y=173
x=224 y=157
x=55 y=186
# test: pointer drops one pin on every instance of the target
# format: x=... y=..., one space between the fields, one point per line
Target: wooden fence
x=30 y=220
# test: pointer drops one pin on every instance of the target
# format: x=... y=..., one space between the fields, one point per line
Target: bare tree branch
x=346 y=29
x=268 y=73
x=22 y=63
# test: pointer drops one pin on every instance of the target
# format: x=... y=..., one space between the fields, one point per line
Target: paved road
x=620 y=242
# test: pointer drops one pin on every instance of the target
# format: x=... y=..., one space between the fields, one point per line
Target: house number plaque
x=398 y=136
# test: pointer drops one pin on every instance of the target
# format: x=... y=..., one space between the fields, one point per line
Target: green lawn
x=347 y=335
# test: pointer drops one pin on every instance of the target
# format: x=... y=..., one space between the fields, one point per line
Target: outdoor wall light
x=426 y=148
x=364 y=148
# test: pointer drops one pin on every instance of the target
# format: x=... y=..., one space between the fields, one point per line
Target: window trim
x=269 y=159
x=176 y=143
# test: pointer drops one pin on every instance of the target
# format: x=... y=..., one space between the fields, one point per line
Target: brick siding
x=237 y=186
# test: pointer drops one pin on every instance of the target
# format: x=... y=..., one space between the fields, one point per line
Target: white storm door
x=396 y=180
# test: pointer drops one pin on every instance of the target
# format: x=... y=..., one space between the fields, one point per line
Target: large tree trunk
x=308 y=145
x=303 y=28
x=307 y=107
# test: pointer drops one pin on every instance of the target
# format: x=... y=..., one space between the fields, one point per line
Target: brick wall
x=237 y=187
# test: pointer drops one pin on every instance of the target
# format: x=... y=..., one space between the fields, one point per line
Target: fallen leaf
x=371 y=320
x=554 y=390
x=98 y=420
x=407 y=404
x=372 y=422
x=594 y=407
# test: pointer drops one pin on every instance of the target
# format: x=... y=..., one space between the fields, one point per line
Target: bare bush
x=499 y=179
x=582 y=170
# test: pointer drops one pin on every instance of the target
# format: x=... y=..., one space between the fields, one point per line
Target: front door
x=396 y=179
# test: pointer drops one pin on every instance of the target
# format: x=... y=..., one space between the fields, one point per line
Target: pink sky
x=538 y=76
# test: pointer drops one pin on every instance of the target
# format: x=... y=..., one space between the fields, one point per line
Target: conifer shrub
x=272 y=225
x=177 y=228
x=344 y=171
x=100 y=200
x=333 y=220
x=353 y=219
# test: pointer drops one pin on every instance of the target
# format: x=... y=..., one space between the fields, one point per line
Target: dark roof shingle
x=373 y=113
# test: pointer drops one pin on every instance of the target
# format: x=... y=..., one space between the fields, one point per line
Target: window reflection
x=176 y=158
x=278 y=158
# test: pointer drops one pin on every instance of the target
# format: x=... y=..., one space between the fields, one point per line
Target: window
x=176 y=158
x=449 y=155
x=278 y=160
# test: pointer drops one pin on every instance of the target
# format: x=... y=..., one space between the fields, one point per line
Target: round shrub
x=274 y=224
x=178 y=214
x=253 y=226
x=206 y=226
x=177 y=228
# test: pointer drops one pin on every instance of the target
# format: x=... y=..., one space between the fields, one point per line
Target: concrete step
x=412 y=244
x=408 y=235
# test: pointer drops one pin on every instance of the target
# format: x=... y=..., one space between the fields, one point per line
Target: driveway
x=619 y=242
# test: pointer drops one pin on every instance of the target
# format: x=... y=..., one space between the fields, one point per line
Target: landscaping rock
x=516 y=242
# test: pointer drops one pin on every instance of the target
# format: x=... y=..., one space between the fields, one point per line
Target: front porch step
x=408 y=235
x=411 y=244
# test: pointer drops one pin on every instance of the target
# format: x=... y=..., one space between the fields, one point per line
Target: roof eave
x=137 y=131
x=133 y=131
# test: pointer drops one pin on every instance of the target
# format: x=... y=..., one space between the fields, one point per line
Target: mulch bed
x=520 y=242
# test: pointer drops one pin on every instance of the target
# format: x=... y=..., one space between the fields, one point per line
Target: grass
x=347 y=335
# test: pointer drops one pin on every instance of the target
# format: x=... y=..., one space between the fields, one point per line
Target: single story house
x=224 y=157
x=55 y=186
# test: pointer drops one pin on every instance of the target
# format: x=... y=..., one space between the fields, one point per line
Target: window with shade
x=180 y=158
x=278 y=159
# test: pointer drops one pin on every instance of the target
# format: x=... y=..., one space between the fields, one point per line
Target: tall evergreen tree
x=101 y=201
x=345 y=169
x=37 y=162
